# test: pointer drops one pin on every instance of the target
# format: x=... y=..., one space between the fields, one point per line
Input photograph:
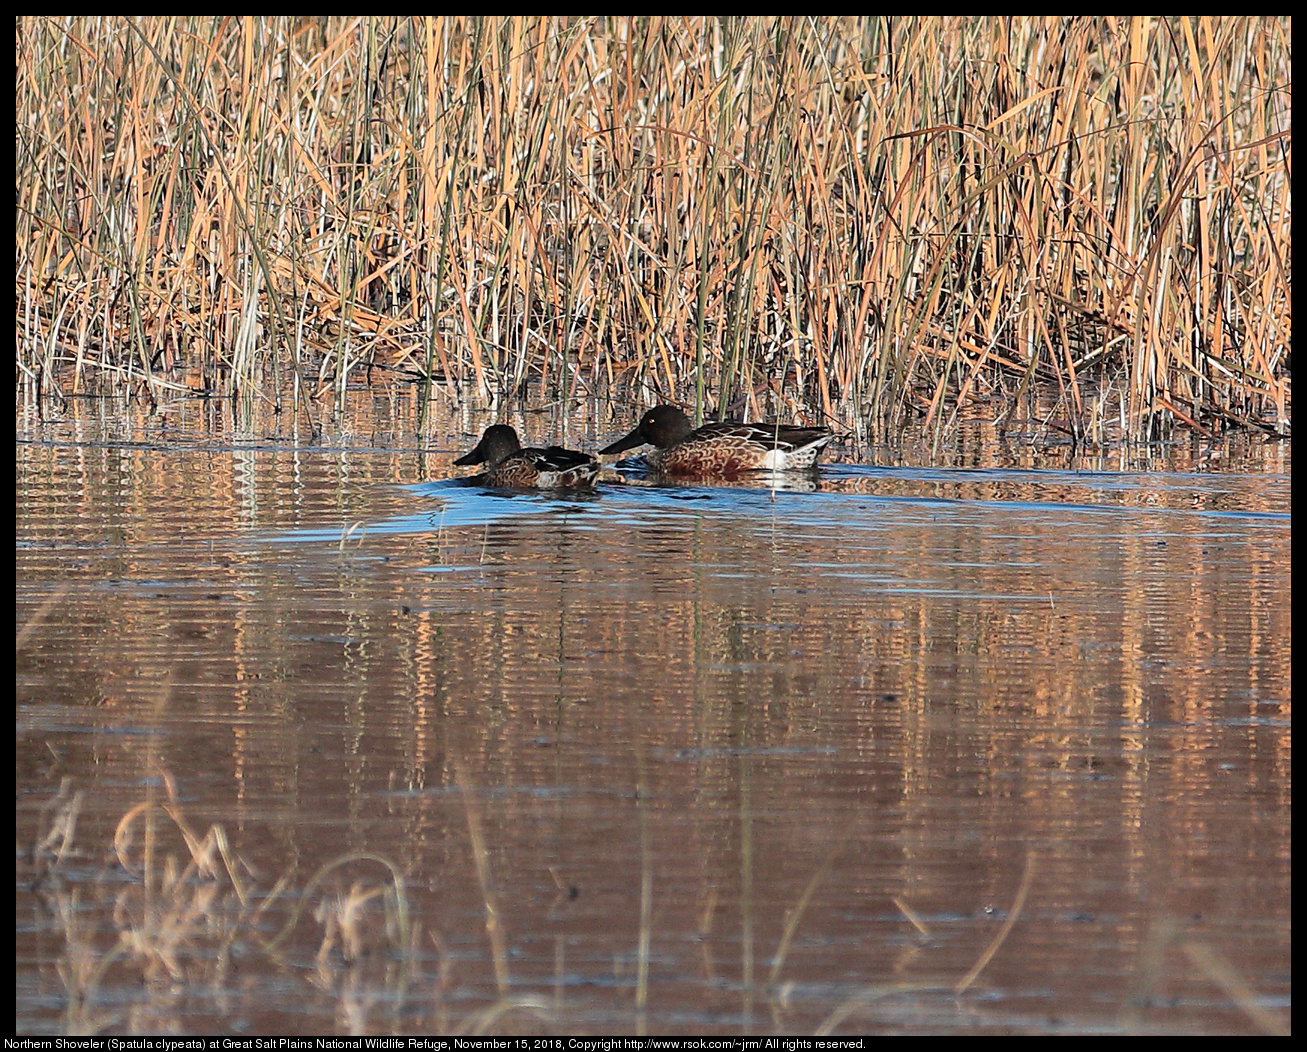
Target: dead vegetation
x=864 y=220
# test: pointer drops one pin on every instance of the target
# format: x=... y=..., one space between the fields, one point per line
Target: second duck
x=723 y=448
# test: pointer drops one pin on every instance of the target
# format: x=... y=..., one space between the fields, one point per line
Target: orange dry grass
x=853 y=218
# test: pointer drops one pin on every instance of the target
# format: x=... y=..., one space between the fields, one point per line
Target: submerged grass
x=181 y=917
x=860 y=219
x=180 y=920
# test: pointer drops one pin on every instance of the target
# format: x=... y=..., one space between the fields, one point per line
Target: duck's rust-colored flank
x=722 y=449
x=511 y=465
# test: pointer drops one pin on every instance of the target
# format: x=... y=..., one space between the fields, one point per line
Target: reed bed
x=155 y=944
x=869 y=220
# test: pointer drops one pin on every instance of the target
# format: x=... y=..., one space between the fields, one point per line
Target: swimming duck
x=511 y=465
x=721 y=448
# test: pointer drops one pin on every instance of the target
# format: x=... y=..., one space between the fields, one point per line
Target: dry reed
x=180 y=917
x=862 y=219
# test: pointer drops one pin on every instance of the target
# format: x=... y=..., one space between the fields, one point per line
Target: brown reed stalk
x=864 y=219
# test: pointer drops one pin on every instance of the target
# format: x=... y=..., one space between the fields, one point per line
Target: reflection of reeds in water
x=179 y=921
x=758 y=213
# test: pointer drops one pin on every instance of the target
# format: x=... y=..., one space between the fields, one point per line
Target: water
x=690 y=760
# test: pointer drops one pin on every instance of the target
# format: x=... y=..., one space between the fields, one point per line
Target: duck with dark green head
x=723 y=449
x=511 y=465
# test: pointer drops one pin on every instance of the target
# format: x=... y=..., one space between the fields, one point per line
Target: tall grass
x=863 y=219
x=153 y=944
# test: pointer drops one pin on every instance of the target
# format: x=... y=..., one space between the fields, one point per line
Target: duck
x=511 y=465
x=724 y=448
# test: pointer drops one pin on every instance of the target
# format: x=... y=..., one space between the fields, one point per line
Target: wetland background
x=986 y=729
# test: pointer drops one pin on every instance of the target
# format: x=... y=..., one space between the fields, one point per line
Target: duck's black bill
x=623 y=444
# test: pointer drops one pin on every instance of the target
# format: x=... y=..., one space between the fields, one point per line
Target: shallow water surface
x=918 y=750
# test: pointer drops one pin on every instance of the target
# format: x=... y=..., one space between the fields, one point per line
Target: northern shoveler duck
x=721 y=448
x=511 y=465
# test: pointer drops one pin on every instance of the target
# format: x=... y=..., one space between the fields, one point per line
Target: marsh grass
x=180 y=918
x=861 y=220
x=183 y=905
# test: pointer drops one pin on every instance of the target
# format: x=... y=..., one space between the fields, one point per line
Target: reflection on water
x=665 y=759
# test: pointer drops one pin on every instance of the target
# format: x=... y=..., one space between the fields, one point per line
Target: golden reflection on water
x=716 y=759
